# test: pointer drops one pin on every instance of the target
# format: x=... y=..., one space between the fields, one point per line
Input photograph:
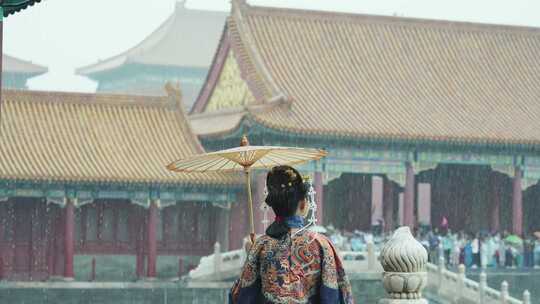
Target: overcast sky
x=66 y=34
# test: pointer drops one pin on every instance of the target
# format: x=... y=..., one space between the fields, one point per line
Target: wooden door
x=22 y=240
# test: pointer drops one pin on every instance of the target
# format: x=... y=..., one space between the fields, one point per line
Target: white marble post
x=526 y=297
x=371 y=255
x=460 y=283
x=404 y=262
x=504 y=292
x=217 y=258
x=440 y=273
x=482 y=285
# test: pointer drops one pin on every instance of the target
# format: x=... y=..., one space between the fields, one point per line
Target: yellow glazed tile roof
x=390 y=77
x=55 y=136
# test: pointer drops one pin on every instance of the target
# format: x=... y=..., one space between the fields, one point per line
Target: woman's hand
x=248 y=243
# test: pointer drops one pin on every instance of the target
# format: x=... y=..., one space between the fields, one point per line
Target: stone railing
x=459 y=289
x=226 y=265
x=219 y=266
x=403 y=262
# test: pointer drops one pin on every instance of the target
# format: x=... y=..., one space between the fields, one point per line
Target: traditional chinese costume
x=304 y=268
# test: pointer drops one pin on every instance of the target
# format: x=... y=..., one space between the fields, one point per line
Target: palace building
x=425 y=121
x=16 y=72
x=180 y=50
x=84 y=192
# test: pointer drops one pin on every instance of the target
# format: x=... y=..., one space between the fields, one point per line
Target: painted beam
x=56 y=192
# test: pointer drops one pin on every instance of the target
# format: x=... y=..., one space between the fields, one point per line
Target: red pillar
x=517 y=204
x=152 y=239
x=495 y=224
x=137 y=217
x=377 y=200
x=60 y=228
x=319 y=195
x=408 y=204
x=69 y=238
x=388 y=206
x=2 y=275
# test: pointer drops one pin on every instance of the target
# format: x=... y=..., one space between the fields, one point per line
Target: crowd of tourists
x=486 y=250
x=482 y=249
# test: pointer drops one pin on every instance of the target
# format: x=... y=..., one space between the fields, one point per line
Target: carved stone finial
x=174 y=92
x=404 y=261
x=173 y=89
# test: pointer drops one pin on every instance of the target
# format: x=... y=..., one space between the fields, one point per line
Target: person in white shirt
x=476 y=251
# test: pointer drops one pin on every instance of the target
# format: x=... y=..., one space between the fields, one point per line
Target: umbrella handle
x=250 y=206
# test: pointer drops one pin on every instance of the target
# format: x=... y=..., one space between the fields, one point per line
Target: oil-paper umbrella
x=246 y=158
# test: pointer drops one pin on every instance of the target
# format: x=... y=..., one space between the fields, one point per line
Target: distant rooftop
x=14 y=65
x=188 y=38
x=352 y=75
x=79 y=137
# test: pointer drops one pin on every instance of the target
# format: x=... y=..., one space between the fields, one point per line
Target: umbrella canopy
x=513 y=239
x=246 y=157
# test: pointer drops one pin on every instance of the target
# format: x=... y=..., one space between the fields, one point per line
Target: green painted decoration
x=9 y=7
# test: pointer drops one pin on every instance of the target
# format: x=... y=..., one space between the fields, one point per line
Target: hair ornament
x=291 y=174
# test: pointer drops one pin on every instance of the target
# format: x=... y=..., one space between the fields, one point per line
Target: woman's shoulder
x=320 y=238
x=307 y=236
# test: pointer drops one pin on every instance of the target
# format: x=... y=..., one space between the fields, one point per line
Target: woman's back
x=304 y=268
x=288 y=264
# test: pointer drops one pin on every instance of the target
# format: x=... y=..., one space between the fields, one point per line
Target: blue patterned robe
x=304 y=269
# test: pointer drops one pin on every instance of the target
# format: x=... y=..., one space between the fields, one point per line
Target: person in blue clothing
x=468 y=253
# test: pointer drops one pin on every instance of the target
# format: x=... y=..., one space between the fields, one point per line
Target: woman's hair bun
x=285 y=190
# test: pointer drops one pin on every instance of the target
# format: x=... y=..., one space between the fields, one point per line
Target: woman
x=289 y=265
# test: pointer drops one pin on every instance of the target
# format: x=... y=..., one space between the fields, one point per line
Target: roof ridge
x=174 y=94
x=83 y=98
x=362 y=17
x=84 y=69
x=246 y=37
x=214 y=70
x=154 y=39
x=39 y=69
x=224 y=111
x=181 y=6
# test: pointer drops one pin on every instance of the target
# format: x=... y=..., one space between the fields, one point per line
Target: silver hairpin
x=264 y=207
x=312 y=205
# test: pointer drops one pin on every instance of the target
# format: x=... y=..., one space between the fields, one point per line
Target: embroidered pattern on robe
x=306 y=269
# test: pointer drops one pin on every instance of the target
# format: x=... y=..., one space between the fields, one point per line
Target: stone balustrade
x=403 y=262
x=459 y=289
x=219 y=266
x=226 y=265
